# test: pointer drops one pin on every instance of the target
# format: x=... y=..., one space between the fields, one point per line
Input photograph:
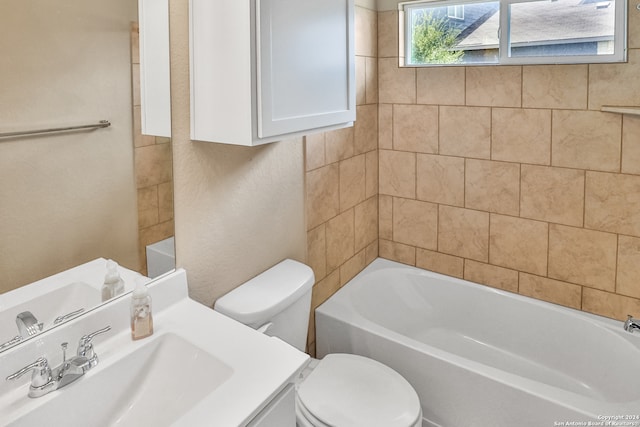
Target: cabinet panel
x=306 y=74
x=155 y=91
x=220 y=65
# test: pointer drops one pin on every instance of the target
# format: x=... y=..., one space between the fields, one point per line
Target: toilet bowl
x=351 y=390
x=341 y=390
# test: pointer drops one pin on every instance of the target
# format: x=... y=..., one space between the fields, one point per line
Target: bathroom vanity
x=198 y=368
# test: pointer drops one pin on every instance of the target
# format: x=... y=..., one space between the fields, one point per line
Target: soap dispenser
x=113 y=283
x=141 y=318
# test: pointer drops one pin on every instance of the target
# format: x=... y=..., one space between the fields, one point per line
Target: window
x=455 y=12
x=513 y=32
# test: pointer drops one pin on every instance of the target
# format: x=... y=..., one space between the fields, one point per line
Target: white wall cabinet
x=263 y=70
x=155 y=85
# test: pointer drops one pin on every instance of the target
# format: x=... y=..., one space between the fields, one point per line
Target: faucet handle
x=41 y=372
x=11 y=342
x=85 y=347
x=41 y=364
x=61 y=319
x=85 y=340
x=41 y=380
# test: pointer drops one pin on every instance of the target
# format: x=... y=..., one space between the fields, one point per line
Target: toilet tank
x=277 y=302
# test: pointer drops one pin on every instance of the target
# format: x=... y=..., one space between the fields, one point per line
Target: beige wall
x=511 y=176
x=238 y=210
x=70 y=197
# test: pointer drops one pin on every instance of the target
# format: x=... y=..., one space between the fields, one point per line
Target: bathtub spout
x=631 y=324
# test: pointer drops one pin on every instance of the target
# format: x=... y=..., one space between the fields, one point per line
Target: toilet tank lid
x=261 y=298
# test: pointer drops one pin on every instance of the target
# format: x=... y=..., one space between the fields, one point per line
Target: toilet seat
x=350 y=390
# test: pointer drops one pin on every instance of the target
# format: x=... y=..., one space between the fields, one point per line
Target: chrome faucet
x=27 y=324
x=631 y=324
x=45 y=380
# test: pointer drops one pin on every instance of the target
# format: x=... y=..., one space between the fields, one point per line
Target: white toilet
x=341 y=390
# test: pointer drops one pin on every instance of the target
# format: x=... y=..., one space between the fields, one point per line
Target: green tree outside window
x=434 y=41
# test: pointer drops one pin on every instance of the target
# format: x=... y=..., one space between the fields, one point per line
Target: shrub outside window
x=453 y=32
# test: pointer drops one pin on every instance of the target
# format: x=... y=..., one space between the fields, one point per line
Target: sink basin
x=47 y=306
x=155 y=384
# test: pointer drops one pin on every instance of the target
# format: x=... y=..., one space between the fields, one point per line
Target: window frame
x=455 y=9
x=620 y=37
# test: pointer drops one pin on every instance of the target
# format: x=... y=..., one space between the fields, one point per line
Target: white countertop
x=261 y=365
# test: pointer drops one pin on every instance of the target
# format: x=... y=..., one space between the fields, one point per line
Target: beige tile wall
x=154 y=172
x=511 y=176
x=342 y=182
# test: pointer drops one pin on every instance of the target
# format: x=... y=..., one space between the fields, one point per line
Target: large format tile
x=340 y=237
x=615 y=84
x=366 y=223
x=463 y=232
x=366 y=129
x=397 y=252
x=465 y=131
x=612 y=203
x=631 y=144
x=491 y=275
x=366 y=32
x=520 y=244
x=352 y=182
x=440 y=179
x=609 y=304
x=398 y=173
x=415 y=128
x=492 y=186
x=441 y=85
x=586 y=140
x=388 y=34
x=415 y=223
x=550 y=290
x=521 y=135
x=494 y=86
x=552 y=194
x=440 y=263
x=323 y=194
x=627 y=282
x=582 y=256
x=555 y=86
x=395 y=84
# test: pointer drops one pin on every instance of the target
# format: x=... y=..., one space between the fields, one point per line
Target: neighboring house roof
x=543 y=23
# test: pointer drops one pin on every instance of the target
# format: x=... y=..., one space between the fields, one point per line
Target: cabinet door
x=305 y=65
x=155 y=97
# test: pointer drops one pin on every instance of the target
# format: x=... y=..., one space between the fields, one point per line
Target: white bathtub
x=482 y=357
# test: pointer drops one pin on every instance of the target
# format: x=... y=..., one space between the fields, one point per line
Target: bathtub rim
x=382 y=263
